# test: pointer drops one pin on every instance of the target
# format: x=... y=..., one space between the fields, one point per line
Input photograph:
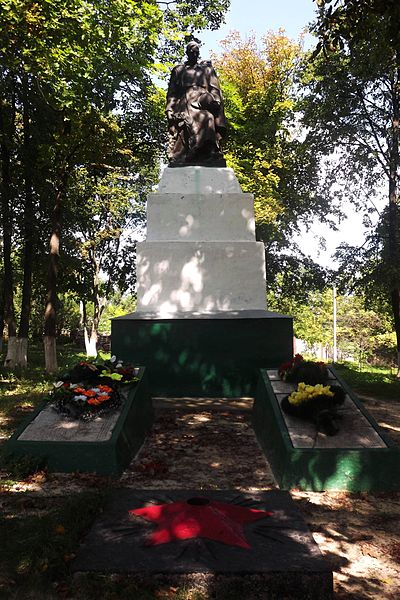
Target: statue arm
x=215 y=91
x=214 y=86
x=173 y=95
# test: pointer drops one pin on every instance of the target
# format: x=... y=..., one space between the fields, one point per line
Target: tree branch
x=373 y=129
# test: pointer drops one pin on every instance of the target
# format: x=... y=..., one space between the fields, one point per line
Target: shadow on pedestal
x=214 y=354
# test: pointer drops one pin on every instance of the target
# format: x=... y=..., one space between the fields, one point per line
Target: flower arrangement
x=91 y=389
x=300 y=370
x=111 y=370
x=316 y=403
x=306 y=392
x=313 y=399
x=286 y=368
x=84 y=401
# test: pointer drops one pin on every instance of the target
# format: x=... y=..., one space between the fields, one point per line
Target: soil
x=210 y=444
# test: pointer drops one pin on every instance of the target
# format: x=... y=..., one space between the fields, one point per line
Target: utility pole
x=334 y=325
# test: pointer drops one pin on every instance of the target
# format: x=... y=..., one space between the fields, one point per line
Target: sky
x=293 y=16
x=261 y=16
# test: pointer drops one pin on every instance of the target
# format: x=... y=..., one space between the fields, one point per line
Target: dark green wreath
x=321 y=410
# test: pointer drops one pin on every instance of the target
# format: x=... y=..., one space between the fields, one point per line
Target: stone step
x=199 y=180
x=200 y=276
x=200 y=217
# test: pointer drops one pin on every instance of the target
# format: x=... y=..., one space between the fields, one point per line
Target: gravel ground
x=210 y=444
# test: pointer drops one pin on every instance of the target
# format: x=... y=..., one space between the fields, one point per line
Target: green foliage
x=349 y=21
x=291 y=279
x=79 y=51
x=363 y=334
x=353 y=107
x=82 y=120
x=263 y=144
x=117 y=306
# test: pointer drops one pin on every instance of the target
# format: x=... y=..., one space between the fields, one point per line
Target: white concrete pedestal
x=200 y=254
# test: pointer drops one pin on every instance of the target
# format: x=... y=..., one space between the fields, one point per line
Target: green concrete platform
x=212 y=354
x=103 y=446
x=360 y=458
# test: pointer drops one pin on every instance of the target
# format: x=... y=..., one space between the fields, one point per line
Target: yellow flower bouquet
x=317 y=403
x=305 y=392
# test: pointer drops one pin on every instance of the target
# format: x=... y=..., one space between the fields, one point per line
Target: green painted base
x=318 y=469
x=103 y=458
x=204 y=355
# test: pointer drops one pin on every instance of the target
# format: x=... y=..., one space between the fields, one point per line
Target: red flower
x=287 y=366
x=104 y=388
x=103 y=398
x=93 y=401
x=79 y=390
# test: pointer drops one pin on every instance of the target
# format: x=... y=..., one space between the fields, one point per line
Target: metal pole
x=334 y=326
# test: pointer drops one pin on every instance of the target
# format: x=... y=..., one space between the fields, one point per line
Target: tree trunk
x=395 y=298
x=50 y=353
x=28 y=166
x=8 y=294
x=1 y=322
x=394 y=220
x=91 y=344
x=22 y=351
x=84 y=326
x=11 y=359
x=50 y=314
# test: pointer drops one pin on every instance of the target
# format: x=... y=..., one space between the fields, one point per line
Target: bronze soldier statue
x=195 y=113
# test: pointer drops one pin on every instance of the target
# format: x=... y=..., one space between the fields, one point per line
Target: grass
x=22 y=390
x=39 y=536
x=377 y=382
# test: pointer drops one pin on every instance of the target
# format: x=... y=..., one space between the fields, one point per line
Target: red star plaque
x=199 y=518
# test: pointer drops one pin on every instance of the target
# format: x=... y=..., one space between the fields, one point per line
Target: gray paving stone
x=362 y=438
x=280 y=546
x=50 y=426
x=301 y=440
x=273 y=374
x=282 y=387
x=355 y=429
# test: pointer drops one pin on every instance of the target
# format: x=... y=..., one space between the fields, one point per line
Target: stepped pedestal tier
x=200 y=254
x=201 y=324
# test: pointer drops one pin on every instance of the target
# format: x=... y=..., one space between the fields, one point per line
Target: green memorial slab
x=359 y=458
x=103 y=446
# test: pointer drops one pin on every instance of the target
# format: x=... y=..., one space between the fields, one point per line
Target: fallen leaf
x=60 y=529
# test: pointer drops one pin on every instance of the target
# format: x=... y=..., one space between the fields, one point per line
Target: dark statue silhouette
x=195 y=113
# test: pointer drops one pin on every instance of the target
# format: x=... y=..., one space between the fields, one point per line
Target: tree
x=362 y=333
x=354 y=106
x=7 y=125
x=265 y=147
x=69 y=65
x=102 y=244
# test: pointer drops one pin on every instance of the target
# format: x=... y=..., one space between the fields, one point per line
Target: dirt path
x=211 y=445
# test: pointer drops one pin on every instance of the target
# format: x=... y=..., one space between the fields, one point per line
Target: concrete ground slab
x=280 y=545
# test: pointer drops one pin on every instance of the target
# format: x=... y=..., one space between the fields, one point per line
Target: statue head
x=192 y=52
